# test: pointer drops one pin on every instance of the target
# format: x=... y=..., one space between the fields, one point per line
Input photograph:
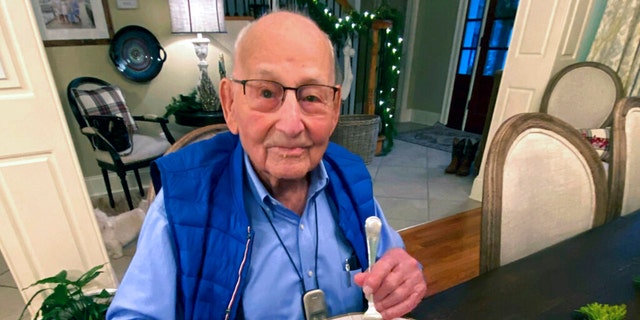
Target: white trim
x=96 y=187
x=424 y=117
x=453 y=61
x=476 y=189
x=409 y=43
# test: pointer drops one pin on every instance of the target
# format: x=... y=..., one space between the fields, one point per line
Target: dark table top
x=595 y=266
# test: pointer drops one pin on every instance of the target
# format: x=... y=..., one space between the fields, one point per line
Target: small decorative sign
x=127 y=4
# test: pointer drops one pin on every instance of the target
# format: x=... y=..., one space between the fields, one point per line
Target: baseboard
x=96 y=187
x=424 y=117
x=476 y=189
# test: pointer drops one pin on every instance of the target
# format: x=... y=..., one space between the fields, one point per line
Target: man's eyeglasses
x=267 y=95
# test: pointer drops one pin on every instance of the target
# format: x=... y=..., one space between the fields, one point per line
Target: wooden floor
x=449 y=249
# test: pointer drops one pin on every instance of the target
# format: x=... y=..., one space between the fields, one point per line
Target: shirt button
x=310 y=273
x=301 y=226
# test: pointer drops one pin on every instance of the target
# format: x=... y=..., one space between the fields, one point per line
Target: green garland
x=339 y=29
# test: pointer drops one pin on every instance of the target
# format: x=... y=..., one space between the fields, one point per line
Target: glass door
x=480 y=57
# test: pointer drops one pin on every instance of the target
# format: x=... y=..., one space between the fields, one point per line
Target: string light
x=390 y=55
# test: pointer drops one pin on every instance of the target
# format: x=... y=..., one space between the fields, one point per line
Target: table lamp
x=198 y=16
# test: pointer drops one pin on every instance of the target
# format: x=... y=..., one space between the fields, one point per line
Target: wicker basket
x=358 y=133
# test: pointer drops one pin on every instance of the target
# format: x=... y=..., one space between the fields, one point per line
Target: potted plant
x=199 y=108
x=67 y=300
x=598 y=311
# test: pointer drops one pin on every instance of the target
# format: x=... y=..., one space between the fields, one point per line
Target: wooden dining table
x=598 y=265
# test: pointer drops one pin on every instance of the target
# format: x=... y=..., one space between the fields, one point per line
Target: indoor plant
x=198 y=108
x=184 y=103
x=67 y=300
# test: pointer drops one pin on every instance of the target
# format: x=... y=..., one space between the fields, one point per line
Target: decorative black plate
x=136 y=53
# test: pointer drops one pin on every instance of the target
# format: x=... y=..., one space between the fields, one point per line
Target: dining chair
x=624 y=176
x=583 y=94
x=543 y=183
x=91 y=99
x=198 y=134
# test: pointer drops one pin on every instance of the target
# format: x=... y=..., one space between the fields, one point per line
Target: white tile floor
x=409 y=183
x=412 y=188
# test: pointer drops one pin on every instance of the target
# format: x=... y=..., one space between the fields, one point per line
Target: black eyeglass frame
x=284 y=91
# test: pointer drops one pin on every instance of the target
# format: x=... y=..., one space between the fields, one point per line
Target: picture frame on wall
x=73 y=22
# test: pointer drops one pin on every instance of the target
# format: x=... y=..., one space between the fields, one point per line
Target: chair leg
x=105 y=176
x=139 y=182
x=125 y=187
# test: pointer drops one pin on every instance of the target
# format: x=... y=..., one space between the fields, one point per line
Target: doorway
x=479 y=58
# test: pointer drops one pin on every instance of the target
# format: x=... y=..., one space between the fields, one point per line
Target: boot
x=456 y=155
x=469 y=156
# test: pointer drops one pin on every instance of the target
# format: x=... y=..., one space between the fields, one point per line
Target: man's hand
x=396 y=282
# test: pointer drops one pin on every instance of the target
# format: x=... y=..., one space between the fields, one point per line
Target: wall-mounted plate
x=136 y=53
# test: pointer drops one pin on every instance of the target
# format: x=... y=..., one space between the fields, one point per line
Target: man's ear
x=227 y=100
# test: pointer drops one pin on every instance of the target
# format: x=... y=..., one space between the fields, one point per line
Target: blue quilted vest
x=205 y=211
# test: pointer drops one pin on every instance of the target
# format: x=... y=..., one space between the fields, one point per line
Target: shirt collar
x=319 y=181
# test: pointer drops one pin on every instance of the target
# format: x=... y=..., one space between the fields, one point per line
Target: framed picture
x=73 y=22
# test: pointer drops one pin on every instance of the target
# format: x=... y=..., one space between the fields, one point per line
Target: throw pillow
x=599 y=140
x=106 y=100
x=104 y=108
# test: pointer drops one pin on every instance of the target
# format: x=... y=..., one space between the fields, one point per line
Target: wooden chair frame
x=619 y=162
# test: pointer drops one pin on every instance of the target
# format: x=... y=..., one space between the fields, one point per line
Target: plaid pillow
x=599 y=140
x=107 y=100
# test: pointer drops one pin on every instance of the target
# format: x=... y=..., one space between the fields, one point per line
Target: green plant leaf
x=184 y=103
x=598 y=311
x=31 y=300
x=68 y=301
x=60 y=278
x=89 y=275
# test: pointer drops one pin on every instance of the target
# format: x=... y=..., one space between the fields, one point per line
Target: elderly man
x=248 y=222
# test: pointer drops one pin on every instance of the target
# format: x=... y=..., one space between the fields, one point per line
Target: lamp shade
x=195 y=16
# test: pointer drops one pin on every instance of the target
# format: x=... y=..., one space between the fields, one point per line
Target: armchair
x=91 y=98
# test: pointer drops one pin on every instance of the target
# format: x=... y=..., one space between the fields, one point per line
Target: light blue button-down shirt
x=273 y=290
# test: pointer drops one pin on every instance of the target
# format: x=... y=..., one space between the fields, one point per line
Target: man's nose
x=290 y=120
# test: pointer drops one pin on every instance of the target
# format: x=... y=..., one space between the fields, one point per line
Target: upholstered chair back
x=624 y=182
x=583 y=94
x=543 y=183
